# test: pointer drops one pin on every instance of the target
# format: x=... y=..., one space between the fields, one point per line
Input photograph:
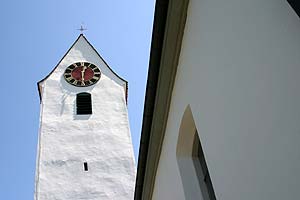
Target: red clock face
x=82 y=74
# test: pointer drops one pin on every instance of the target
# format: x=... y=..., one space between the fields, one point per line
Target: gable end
x=39 y=84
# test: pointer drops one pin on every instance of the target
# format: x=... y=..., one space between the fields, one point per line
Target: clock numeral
x=78 y=64
x=97 y=75
x=97 y=70
x=78 y=83
x=82 y=64
x=87 y=82
x=72 y=80
x=71 y=67
x=67 y=76
x=68 y=71
x=93 y=80
x=92 y=66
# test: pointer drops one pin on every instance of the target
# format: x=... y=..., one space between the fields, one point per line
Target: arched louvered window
x=84 y=103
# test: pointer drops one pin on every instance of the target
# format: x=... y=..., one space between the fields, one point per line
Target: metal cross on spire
x=81 y=29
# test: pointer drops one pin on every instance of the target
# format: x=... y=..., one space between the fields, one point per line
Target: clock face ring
x=82 y=74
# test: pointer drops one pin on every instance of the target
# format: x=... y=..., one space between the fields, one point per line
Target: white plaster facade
x=239 y=73
x=67 y=140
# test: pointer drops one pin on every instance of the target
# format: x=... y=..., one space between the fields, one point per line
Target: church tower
x=84 y=149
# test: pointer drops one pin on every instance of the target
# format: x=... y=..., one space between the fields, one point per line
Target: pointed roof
x=80 y=36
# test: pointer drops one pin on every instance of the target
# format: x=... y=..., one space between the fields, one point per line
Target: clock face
x=82 y=74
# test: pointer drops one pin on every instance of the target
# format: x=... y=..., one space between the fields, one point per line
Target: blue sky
x=34 y=37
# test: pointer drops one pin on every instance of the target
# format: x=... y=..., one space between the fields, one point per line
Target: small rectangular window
x=295 y=4
x=83 y=103
x=85 y=166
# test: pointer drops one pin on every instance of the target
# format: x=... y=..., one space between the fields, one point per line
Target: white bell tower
x=85 y=149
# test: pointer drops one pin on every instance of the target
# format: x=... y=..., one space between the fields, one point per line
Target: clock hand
x=82 y=73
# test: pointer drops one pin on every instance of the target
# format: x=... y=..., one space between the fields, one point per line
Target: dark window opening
x=295 y=4
x=85 y=166
x=84 y=103
x=202 y=170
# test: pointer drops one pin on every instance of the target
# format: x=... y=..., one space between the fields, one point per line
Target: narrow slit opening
x=85 y=166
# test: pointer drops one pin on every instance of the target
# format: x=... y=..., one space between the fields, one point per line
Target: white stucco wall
x=67 y=140
x=239 y=71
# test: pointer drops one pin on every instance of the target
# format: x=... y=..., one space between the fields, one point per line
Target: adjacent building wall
x=239 y=71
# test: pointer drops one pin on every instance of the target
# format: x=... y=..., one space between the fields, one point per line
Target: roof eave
x=168 y=28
